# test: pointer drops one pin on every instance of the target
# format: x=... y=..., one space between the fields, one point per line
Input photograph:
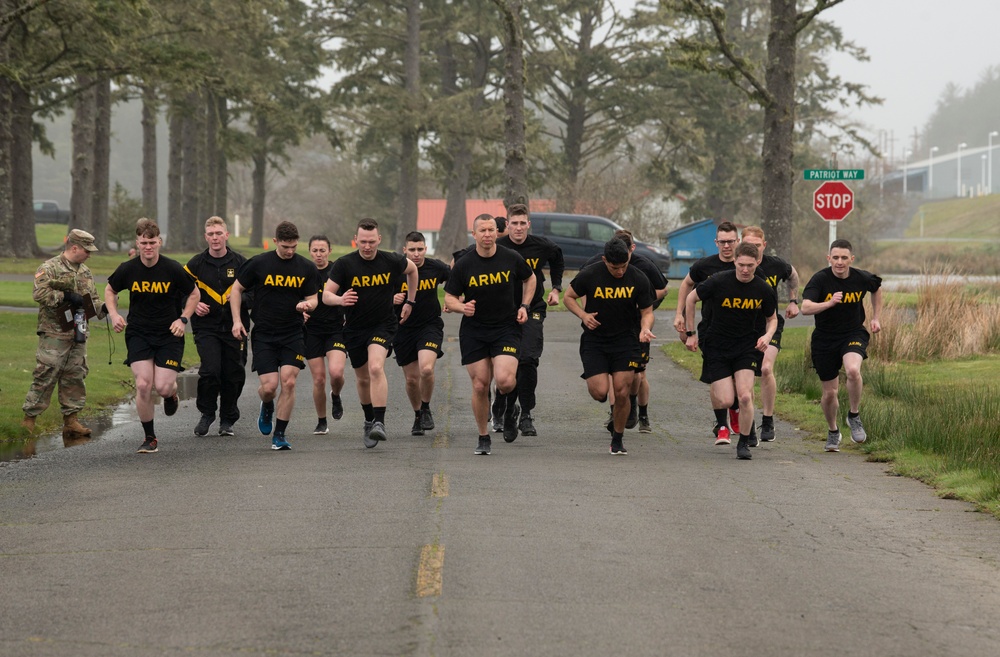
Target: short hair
x=615 y=251
x=483 y=217
x=414 y=236
x=215 y=221
x=286 y=231
x=319 y=238
x=726 y=227
x=501 y=223
x=367 y=224
x=841 y=244
x=518 y=209
x=146 y=228
x=746 y=249
x=756 y=231
x=625 y=235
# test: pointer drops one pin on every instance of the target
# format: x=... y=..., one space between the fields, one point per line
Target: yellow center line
x=429 y=572
x=439 y=485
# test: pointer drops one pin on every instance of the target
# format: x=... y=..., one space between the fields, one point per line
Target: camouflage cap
x=82 y=239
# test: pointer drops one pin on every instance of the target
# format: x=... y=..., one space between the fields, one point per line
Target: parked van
x=581 y=236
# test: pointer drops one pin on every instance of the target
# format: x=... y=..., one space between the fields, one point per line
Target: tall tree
x=411 y=128
x=515 y=160
x=150 y=110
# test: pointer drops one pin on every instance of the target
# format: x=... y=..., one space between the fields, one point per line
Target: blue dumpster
x=690 y=243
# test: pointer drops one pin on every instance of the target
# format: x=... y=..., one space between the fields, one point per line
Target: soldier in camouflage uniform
x=61 y=360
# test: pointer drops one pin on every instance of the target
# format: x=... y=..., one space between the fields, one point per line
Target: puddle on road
x=187 y=388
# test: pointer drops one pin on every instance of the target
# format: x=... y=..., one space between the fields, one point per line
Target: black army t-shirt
x=156 y=294
x=428 y=307
x=739 y=310
x=325 y=318
x=278 y=285
x=538 y=252
x=374 y=280
x=848 y=315
x=488 y=282
x=700 y=272
x=774 y=271
x=615 y=300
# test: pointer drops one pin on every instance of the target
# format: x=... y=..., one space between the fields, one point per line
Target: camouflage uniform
x=59 y=359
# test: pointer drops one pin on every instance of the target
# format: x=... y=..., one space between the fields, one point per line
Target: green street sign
x=834 y=174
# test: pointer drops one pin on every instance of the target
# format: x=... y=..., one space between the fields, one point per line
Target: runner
x=617 y=316
x=418 y=341
x=733 y=345
x=836 y=295
x=369 y=278
x=326 y=350
x=284 y=286
x=481 y=287
x=162 y=299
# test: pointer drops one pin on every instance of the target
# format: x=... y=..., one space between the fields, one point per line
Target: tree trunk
x=211 y=154
x=409 y=155
x=222 y=163
x=259 y=179
x=21 y=185
x=779 y=126
x=515 y=161
x=192 y=138
x=150 y=108
x=102 y=163
x=175 y=187
x=7 y=248
x=80 y=205
x=576 y=122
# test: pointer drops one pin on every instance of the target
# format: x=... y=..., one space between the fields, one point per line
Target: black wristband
x=409 y=302
x=795 y=301
x=184 y=320
x=526 y=306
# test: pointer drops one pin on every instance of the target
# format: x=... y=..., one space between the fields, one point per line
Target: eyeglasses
x=725 y=242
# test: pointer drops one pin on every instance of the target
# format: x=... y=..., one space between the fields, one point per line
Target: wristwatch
x=689 y=333
x=795 y=301
x=409 y=302
x=184 y=320
x=526 y=306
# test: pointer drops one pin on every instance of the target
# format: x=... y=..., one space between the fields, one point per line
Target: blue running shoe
x=279 y=442
x=264 y=419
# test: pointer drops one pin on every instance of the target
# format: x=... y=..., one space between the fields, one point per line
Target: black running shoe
x=510 y=423
x=527 y=426
x=633 y=417
x=170 y=405
x=484 y=446
x=766 y=433
x=149 y=446
x=226 y=428
x=743 y=448
x=617 y=446
x=753 y=436
x=426 y=419
x=336 y=407
x=610 y=424
x=203 y=424
x=644 y=426
x=321 y=428
x=418 y=428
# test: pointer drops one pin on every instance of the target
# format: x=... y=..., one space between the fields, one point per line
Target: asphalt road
x=550 y=546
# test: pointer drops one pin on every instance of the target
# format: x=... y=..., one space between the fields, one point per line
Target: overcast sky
x=916 y=48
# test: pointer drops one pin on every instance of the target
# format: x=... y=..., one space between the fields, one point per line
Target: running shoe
x=527 y=426
x=644 y=426
x=734 y=420
x=610 y=424
x=858 y=434
x=264 y=420
x=766 y=433
x=743 y=448
x=722 y=437
x=279 y=443
x=833 y=441
x=321 y=428
x=753 y=442
x=426 y=419
x=203 y=424
x=226 y=428
x=366 y=435
x=377 y=431
x=418 y=428
x=510 y=423
x=617 y=446
x=170 y=404
x=633 y=417
x=149 y=446
x=336 y=407
x=484 y=446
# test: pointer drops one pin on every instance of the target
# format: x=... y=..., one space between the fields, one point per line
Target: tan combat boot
x=29 y=423
x=73 y=426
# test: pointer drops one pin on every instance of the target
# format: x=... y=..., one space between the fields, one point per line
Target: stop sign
x=833 y=200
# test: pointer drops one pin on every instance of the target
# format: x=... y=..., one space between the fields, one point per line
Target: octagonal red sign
x=833 y=200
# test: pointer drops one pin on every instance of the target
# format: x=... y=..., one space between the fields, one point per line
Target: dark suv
x=581 y=236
